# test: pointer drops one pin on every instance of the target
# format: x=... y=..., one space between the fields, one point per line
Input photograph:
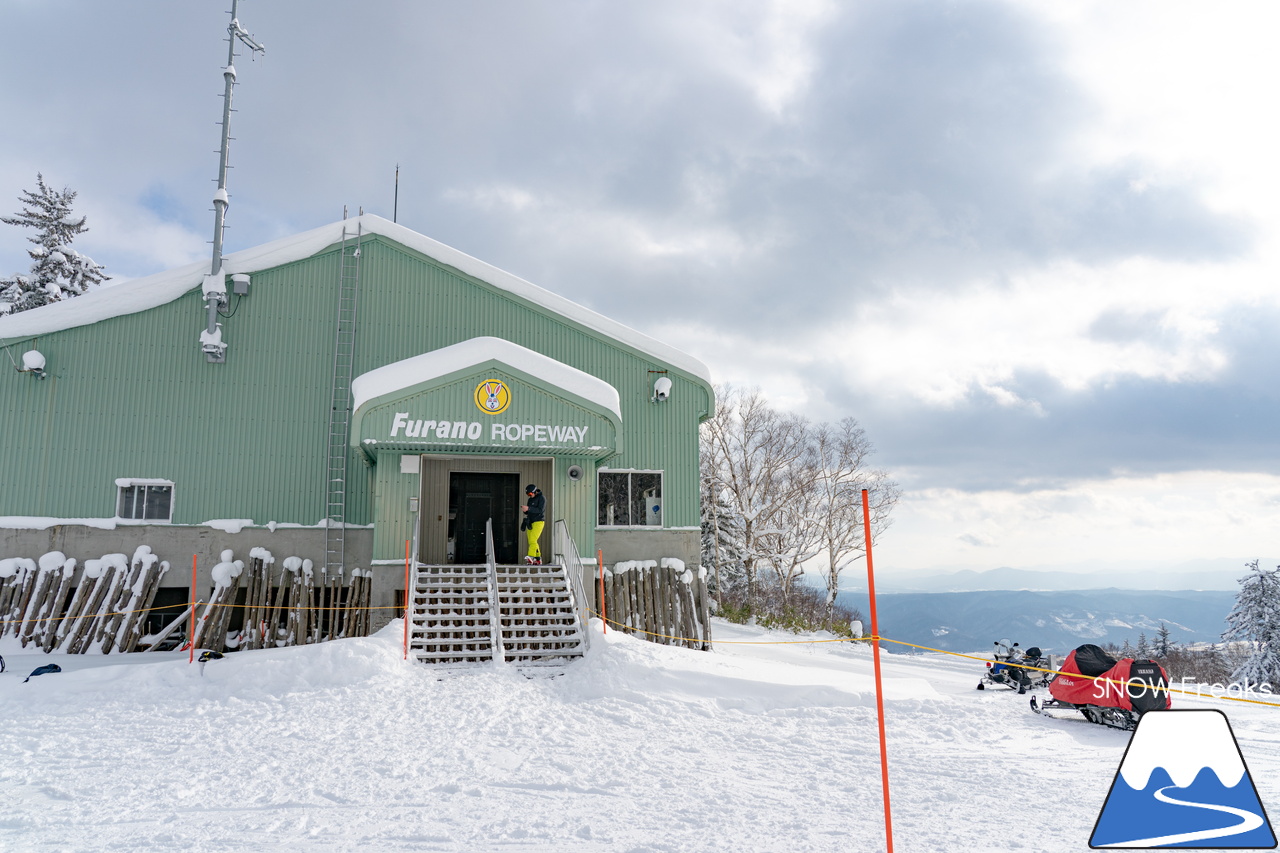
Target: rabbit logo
x=493 y=396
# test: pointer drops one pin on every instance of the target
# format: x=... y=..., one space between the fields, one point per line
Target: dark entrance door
x=474 y=498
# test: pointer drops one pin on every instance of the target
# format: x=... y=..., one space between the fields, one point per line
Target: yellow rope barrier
x=626 y=628
x=185 y=605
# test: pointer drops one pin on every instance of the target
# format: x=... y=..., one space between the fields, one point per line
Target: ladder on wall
x=344 y=352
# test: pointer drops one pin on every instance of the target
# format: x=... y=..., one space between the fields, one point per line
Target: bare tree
x=840 y=475
x=781 y=494
x=797 y=539
x=751 y=449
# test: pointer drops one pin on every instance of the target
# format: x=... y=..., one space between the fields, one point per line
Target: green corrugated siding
x=392 y=493
x=658 y=436
x=133 y=396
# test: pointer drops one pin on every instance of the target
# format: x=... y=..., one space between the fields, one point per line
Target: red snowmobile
x=1106 y=691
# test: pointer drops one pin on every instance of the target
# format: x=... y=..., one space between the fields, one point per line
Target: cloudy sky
x=1030 y=246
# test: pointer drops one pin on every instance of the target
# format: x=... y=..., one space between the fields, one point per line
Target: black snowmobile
x=1007 y=668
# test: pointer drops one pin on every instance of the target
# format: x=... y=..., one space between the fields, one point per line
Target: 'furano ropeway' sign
x=405 y=427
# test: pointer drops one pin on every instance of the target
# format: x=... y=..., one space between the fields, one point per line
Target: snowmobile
x=1106 y=691
x=1007 y=668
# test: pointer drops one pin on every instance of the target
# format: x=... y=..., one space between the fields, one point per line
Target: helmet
x=530 y=489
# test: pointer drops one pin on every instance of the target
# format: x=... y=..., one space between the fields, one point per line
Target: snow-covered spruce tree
x=1255 y=620
x=57 y=271
x=1163 y=644
x=721 y=535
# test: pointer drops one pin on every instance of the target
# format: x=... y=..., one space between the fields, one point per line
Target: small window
x=144 y=500
x=630 y=499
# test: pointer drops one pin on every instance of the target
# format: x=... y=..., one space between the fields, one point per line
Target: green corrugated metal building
x=467 y=383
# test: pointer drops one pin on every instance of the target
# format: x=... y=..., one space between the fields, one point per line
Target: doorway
x=441 y=499
x=475 y=498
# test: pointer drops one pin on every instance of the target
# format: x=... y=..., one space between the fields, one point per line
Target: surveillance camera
x=662 y=389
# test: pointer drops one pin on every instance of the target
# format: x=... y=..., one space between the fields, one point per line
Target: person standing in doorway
x=534 y=511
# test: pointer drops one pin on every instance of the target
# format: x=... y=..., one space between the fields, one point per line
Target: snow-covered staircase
x=526 y=615
x=449 y=614
x=537 y=614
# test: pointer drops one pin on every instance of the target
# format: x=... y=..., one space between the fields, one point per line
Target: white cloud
x=1179 y=84
x=937 y=347
x=1171 y=517
x=588 y=228
x=765 y=46
x=139 y=237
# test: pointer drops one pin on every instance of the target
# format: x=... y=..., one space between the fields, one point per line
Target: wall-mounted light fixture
x=33 y=362
x=661 y=389
x=215 y=298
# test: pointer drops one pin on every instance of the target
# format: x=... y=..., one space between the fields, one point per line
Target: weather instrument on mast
x=215 y=288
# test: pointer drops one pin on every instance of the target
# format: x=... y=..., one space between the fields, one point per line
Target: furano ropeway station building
x=363 y=387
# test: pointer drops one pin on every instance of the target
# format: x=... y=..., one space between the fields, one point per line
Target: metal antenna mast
x=215 y=290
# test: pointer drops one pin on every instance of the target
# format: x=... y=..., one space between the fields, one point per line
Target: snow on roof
x=420 y=368
x=142 y=294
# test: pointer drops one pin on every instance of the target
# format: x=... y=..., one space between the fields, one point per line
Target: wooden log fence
x=111 y=598
x=662 y=602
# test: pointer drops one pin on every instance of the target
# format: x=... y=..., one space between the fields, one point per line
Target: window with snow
x=144 y=500
x=630 y=499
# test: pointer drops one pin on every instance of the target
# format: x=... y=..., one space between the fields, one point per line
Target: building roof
x=142 y=294
x=421 y=368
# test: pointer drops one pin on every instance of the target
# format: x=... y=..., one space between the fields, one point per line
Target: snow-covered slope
x=343 y=746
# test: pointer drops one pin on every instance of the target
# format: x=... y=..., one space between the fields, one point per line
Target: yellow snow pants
x=534 y=531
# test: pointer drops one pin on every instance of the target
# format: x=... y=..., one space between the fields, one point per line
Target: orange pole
x=604 y=614
x=406 y=599
x=875 y=645
x=191 y=640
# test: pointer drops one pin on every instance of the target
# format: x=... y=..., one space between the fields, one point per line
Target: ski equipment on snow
x=42 y=670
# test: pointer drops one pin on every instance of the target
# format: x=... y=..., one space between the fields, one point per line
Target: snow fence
x=107 y=604
x=661 y=601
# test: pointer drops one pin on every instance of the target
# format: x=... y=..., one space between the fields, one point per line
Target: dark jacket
x=537 y=506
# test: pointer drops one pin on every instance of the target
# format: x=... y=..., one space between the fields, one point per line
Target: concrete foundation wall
x=648 y=544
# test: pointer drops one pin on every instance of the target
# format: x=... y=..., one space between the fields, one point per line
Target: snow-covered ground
x=344 y=746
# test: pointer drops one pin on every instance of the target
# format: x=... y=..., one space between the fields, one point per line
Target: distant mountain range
x=1220 y=574
x=1055 y=620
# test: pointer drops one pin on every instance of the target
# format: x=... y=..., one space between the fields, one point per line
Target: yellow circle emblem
x=493 y=396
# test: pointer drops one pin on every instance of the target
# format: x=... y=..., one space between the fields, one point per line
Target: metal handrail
x=495 y=622
x=567 y=554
